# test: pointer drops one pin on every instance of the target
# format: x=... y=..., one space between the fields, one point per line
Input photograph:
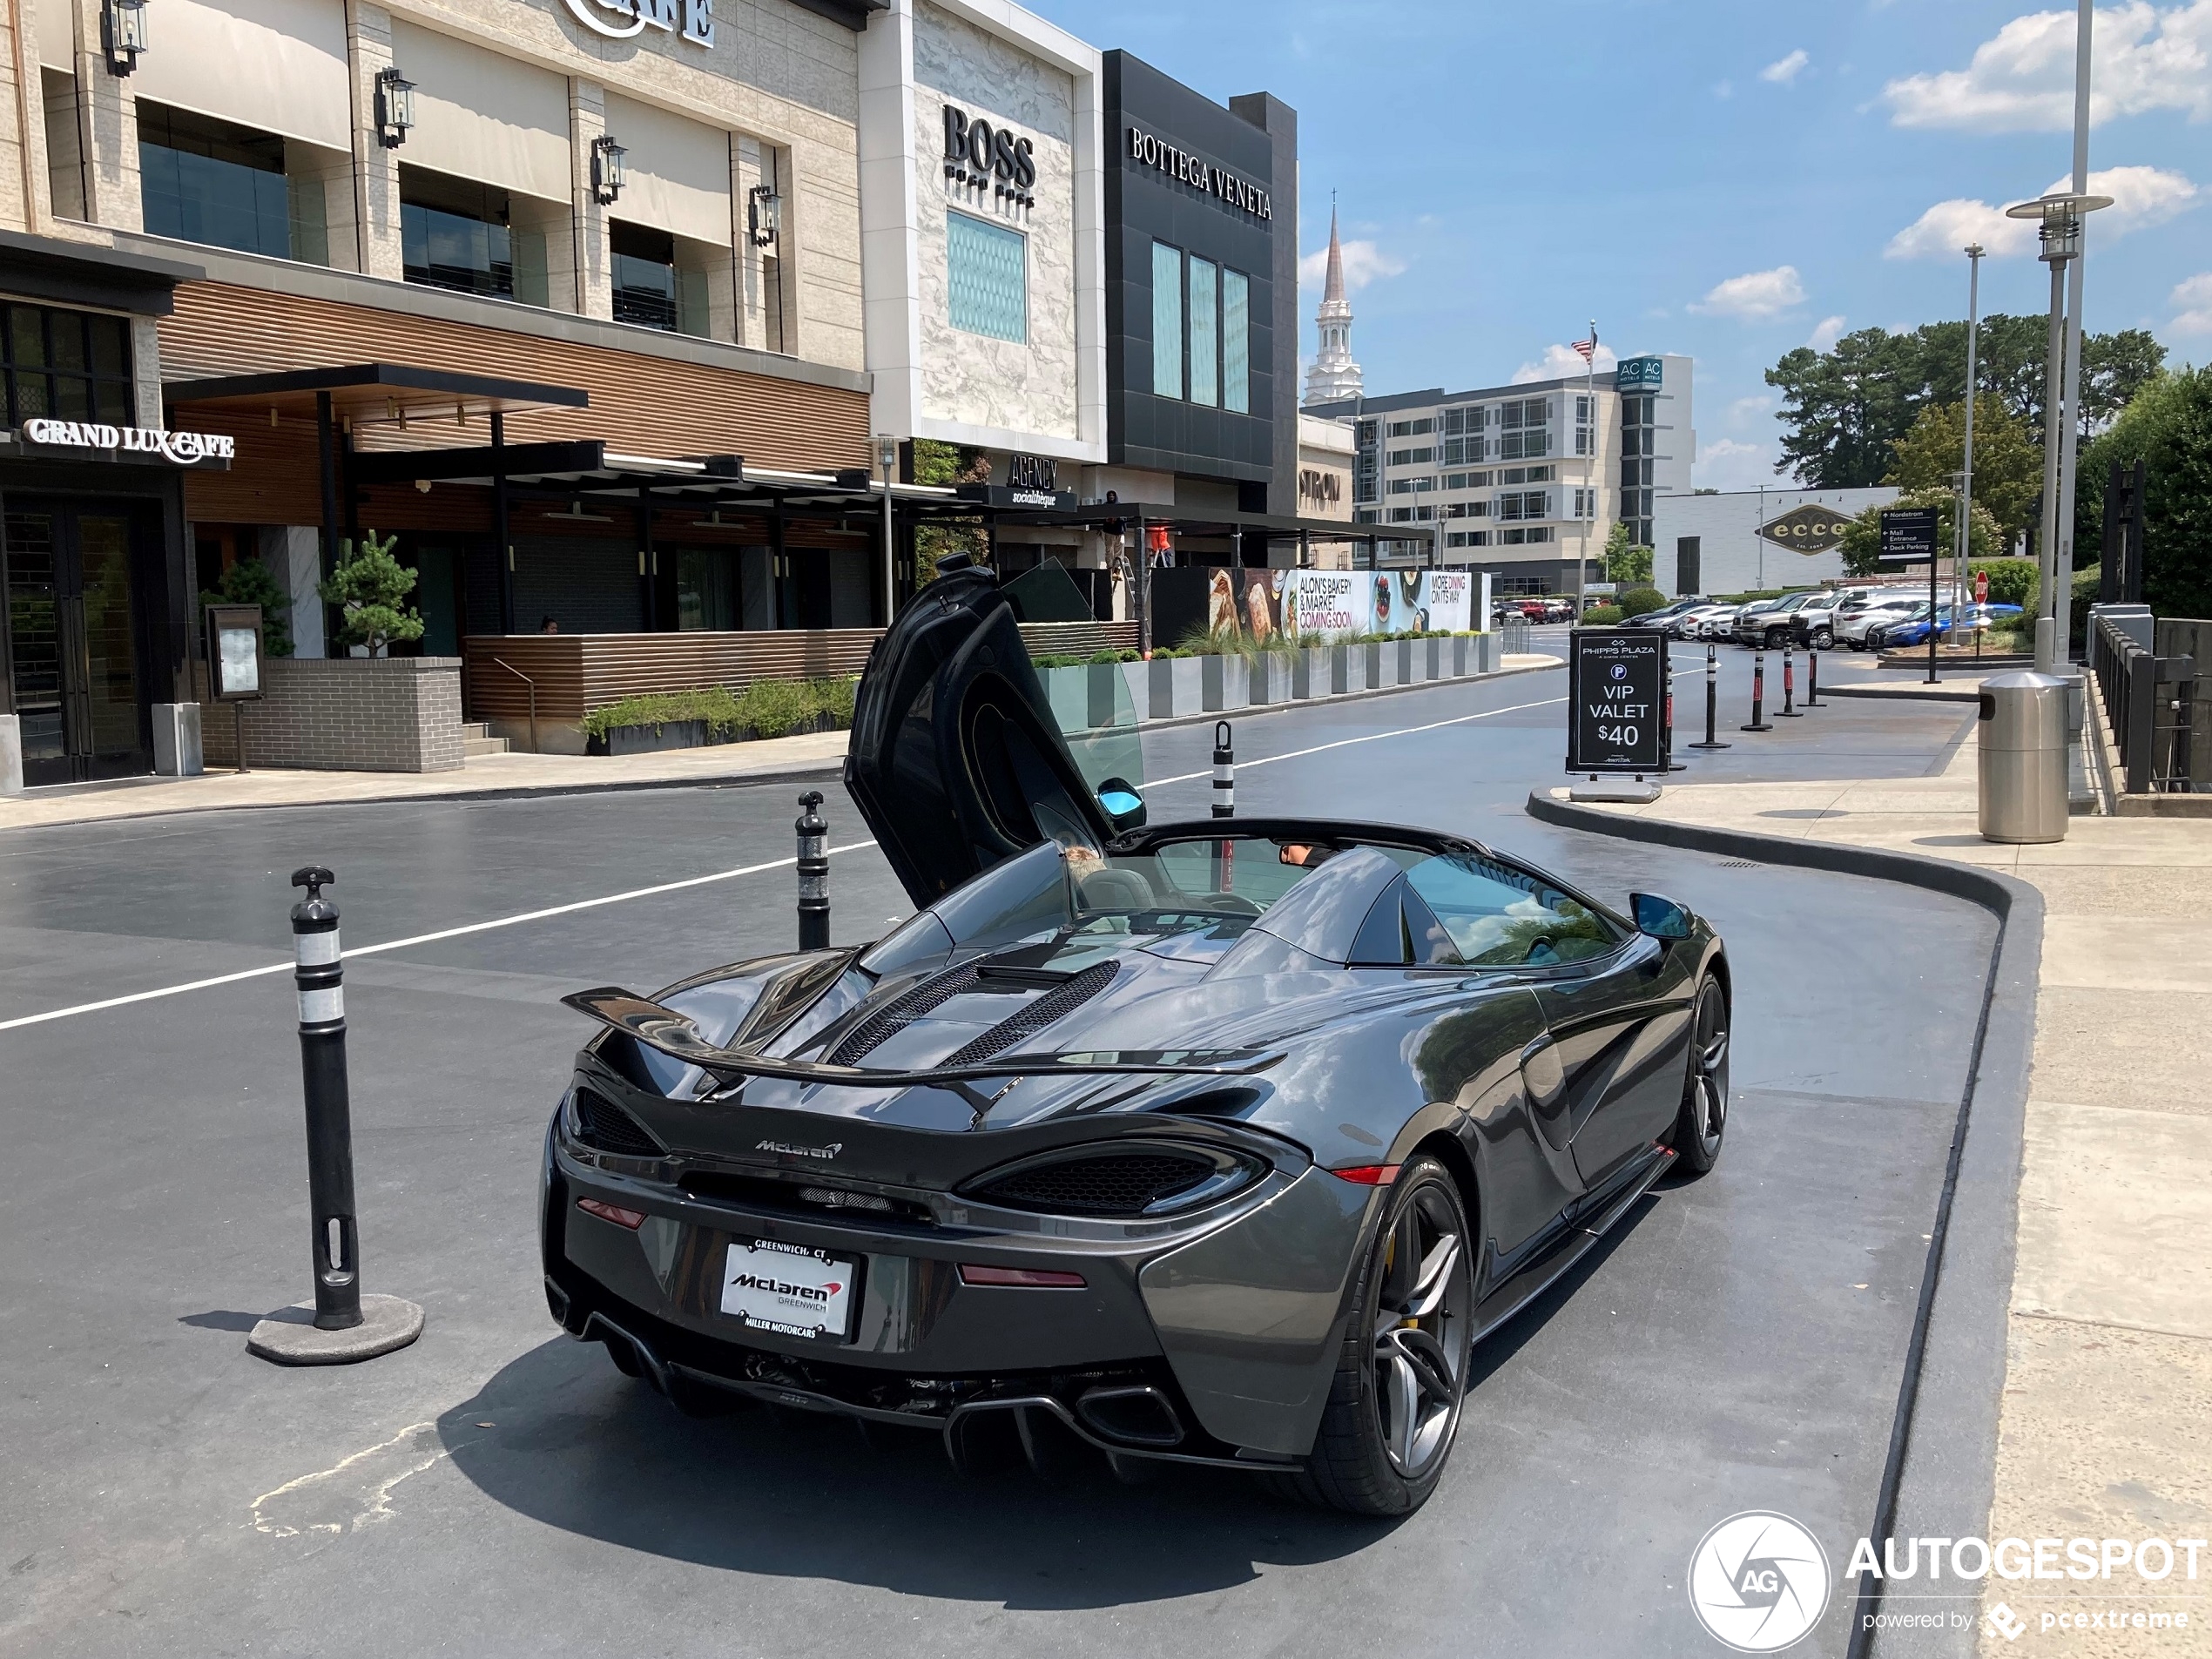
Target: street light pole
x=887 y=454
x=1966 y=485
x=1589 y=476
x=2062 y=549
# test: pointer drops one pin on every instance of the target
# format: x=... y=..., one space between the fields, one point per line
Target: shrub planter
x=1404 y=673
x=1434 y=666
x=1312 y=670
x=1456 y=656
x=1269 y=677
x=1373 y=664
x=1226 y=682
x=689 y=734
x=1137 y=686
x=1347 y=670
x=1176 y=686
x=1068 y=691
x=1493 y=652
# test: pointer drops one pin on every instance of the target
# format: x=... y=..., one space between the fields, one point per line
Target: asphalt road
x=497 y=1488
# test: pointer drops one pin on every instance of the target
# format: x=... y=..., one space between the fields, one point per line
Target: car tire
x=1394 y=1404
x=1824 y=640
x=1776 y=639
x=1702 y=1123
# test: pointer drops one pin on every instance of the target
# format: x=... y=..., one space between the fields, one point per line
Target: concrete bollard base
x=290 y=1337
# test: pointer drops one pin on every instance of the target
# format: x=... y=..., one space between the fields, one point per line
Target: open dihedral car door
x=956 y=761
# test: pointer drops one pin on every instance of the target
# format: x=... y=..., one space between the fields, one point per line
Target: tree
x=1845 y=406
x=936 y=463
x=1623 y=561
x=2008 y=469
x=371 y=588
x=248 y=583
x=1862 y=538
x=2168 y=429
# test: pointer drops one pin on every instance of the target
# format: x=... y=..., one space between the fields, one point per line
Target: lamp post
x=2061 y=215
x=1967 y=479
x=886 y=451
x=2062 y=549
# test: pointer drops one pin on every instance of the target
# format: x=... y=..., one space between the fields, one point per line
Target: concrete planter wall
x=343 y=714
x=1431 y=651
x=1268 y=677
x=1226 y=685
x=1068 y=690
x=1176 y=687
x=1138 y=685
x=1310 y=671
x=1407 y=673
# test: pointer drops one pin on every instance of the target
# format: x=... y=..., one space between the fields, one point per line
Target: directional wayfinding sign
x=1617 y=715
x=1909 y=534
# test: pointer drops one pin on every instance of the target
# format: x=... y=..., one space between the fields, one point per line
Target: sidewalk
x=2106 y=1428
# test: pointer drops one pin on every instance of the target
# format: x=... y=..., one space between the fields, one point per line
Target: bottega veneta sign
x=1218 y=182
x=186 y=448
x=621 y=19
x=977 y=153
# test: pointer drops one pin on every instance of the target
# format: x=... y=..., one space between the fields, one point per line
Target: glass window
x=1205 y=332
x=987 y=272
x=1167 y=320
x=204 y=180
x=1236 y=342
x=453 y=233
x=645 y=275
x=74 y=364
x=1498 y=915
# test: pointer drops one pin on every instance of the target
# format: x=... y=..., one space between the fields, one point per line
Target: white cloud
x=1825 y=334
x=1363 y=263
x=2193 y=297
x=2021 y=80
x=1749 y=408
x=2141 y=196
x=1784 y=70
x=1726 y=464
x=1755 y=293
x=1559 y=362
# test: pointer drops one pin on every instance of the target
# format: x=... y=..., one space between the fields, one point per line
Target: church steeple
x=1334 y=375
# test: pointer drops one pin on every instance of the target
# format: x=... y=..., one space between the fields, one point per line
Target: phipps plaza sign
x=1616 y=717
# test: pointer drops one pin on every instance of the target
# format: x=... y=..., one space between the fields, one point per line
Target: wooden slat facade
x=576 y=673
x=640 y=404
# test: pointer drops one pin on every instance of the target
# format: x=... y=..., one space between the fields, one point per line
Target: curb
x=1940 y=1476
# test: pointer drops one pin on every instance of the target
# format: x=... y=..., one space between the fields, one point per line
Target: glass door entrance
x=73 y=647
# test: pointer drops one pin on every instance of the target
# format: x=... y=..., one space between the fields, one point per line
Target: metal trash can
x=2022 y=758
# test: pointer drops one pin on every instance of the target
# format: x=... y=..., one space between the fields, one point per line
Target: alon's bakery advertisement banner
x=1309 y=604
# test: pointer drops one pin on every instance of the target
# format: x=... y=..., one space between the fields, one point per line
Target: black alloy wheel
x=1394 y=1406
x=1703 y=1119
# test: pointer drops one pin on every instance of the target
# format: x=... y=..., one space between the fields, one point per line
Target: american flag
x=1588 y=347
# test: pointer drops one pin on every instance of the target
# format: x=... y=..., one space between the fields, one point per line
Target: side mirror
x=1123 y=806
x=1658 y=917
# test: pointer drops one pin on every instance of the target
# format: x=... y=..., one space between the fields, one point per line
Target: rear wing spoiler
x=679 y=1037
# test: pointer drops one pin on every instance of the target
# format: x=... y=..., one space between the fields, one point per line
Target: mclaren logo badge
x=824 y=1153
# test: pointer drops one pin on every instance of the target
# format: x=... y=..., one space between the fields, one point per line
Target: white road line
x=422 y=939
x=1343 y=743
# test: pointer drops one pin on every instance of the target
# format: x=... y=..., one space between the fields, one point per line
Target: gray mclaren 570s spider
x=1220 y=1142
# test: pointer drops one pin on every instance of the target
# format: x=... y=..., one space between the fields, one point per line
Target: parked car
x=1691 y=624
x=1852 y=625
x=1768 y=622
x=1910 y=628
x=1716 y=623
x=1665 y=618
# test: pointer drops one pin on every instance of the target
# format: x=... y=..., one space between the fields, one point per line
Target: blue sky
x=1722 y=180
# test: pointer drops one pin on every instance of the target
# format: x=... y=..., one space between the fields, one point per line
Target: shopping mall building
x=623 y=317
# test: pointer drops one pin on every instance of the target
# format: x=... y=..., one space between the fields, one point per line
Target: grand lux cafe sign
x=184 y=448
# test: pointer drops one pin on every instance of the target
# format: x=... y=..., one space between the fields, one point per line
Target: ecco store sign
x=621 y=19
x=186 y=448
x=1240 y=193
x=977 y=153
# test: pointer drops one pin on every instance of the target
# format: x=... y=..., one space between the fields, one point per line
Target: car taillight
x=1031 y=1278
x=632 y=1219
x=1368 y=1175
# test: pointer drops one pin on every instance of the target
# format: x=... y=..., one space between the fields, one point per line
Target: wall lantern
x=395 y=107
x=123 y=33
x=608 y=176
x=764 y=213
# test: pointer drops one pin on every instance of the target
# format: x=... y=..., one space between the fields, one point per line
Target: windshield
x=1219 y=884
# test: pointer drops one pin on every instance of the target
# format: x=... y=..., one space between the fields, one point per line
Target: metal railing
x=2149 y=699
x=532 y=684
x=1513 y=633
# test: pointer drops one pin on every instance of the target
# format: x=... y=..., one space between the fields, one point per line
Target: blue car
x=1912 y=627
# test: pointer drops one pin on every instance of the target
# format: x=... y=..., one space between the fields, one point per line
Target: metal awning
x=373 y=394
x=588 y=467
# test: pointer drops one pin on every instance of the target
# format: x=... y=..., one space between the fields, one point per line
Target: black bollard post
x=320 y=975
x=1224 y=771
x=1812 y=676
x=1790 y=710
x=813 y=874
x=1712 y=701
x=1759 y=722
x=346 y=1327
x=1667 y=731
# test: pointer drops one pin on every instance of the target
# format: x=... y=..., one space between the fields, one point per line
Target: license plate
x=789 y=1289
